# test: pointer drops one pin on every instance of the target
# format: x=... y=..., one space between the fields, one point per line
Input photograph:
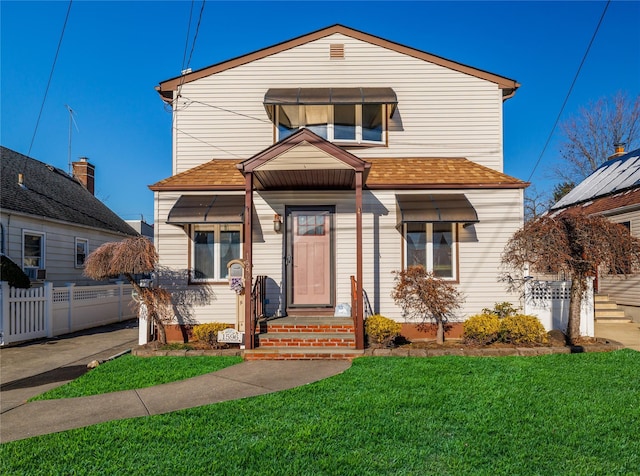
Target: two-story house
x=334 y=155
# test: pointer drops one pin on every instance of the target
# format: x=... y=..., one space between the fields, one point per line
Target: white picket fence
x=48 y=312
x=549 y=301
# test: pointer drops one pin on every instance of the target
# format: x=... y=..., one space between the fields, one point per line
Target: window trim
x=43 y=248
x=75 y=251
x=455 y=249
x=331 y=124
x=217 y=228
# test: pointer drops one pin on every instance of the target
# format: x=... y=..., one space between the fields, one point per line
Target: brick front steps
x=305 y=338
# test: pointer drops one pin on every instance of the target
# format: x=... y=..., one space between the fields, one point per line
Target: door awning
x=449 y=208
x=276 y=96
x=207 y=209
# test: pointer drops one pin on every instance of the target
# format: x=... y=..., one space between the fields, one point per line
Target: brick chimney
x=85 y=173
x=619 y=150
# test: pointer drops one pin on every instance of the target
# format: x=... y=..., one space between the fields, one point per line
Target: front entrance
x=310 y=254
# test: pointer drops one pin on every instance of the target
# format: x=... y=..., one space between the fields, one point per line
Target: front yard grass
x=552 y=414
x=129 y=372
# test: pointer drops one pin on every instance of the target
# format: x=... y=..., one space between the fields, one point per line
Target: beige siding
x=441 y=113
x=59 y=259
x=624 y=291
x=480 y=246
x=196 y=303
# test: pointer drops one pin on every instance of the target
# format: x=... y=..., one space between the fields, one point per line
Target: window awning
x=449 y=208
x=207 y=209
x=276 y=96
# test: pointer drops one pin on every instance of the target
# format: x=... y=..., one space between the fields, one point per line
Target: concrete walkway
x=247 y=379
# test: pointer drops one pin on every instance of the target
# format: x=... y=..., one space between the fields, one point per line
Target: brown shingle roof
x=392 y=173
x=436 y=173
x=217 y=174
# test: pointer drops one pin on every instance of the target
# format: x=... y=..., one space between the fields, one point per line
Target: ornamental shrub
x=209 y=332
x=482 y=329
x=382 y=330
x=13 y=274
x=522 y=329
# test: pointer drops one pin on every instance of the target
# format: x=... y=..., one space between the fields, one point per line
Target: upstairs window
x=341 y=123
x=343 y=115
x=82 y=250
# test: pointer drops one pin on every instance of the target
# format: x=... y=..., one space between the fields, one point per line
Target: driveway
x=627 y=333
x=34 y=367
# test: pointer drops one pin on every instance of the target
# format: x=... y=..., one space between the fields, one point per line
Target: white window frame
x=217 y=229
x=85 y=241
x=43 y=247
x=429 y=250
x=331 y=122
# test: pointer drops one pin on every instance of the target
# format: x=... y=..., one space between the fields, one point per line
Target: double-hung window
x=212 y=247
x=434 y=246
x=81 y=251
x=341 y=123
x=33 y=246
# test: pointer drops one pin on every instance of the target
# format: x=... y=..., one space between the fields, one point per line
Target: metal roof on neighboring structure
x=614 y=176
x=51 y=193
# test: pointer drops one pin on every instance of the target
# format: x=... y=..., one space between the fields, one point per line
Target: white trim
x=216 y=229
x=75 y=251
x=43 y=247
x=429 y=254
x=331 y=123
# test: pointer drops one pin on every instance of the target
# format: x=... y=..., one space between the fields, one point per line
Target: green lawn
x=129 y=372
x=554 y=414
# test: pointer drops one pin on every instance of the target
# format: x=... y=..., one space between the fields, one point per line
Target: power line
x=566 y=99
x=55 y=59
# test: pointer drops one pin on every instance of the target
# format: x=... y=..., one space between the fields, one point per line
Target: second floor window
x=341 y=123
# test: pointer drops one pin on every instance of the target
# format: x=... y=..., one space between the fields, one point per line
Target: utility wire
x=186 y=42
x=55 y=59
x=575 y=78
x=185 y=66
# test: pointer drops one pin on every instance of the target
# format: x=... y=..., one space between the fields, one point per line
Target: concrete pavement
x=32 y=368
x=627 y=334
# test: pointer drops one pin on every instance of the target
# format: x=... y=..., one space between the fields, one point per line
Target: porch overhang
x=304 y=161
x=431 y=208
x=193 y=209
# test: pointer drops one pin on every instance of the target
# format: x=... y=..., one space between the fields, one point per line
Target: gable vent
x=336 y=51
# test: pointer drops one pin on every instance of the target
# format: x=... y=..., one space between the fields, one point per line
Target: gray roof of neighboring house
x=616 y=175
x=50 y=192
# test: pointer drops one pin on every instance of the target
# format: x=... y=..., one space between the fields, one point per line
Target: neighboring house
x=50 y=221
x=612 y=190
x=356 y=156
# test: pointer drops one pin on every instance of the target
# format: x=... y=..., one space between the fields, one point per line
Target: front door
x=310 y=257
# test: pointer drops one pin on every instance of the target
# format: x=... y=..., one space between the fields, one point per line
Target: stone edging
x=408 y=352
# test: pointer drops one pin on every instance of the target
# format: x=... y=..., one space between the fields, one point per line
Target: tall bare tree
x=578 y=245
x=128 y=258
x=591 y=134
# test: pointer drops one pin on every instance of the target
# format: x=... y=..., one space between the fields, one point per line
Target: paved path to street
x=627 y=334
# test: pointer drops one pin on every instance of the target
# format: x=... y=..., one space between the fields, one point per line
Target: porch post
x=249 y=332
x=359 y=299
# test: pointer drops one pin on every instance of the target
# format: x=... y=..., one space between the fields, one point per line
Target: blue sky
x=114 y=53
